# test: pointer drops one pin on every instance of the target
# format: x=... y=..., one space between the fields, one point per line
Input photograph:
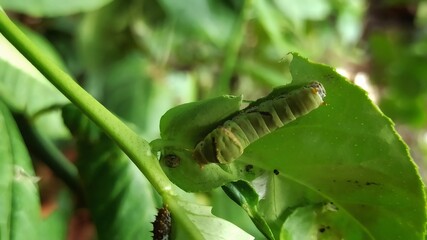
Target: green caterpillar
x=227 y=142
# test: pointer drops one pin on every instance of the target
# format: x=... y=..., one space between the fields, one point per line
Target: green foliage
x=339 y=172
x=381 y=180
x=246 y=196
x=52 y=8
x=20 y=81
x=338 y=164
x=19 y=201
x=179 y=139
x=21 y=84
x=114 y=188
x=403 y=76
x=209 y=225
x=397 y=58
x=204 y=116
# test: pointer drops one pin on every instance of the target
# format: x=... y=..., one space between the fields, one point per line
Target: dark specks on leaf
x=361 y=184
x=323 y=229
x=372 y=183
x=276 y=172
x=330 y=206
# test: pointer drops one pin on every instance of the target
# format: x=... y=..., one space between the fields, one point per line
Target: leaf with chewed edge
x=346 y=154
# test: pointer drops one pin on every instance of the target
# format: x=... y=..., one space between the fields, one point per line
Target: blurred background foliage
x=140 y=58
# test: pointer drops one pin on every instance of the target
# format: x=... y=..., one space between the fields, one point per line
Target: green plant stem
x=262 y=74
x=236 y=39
x=267 y=19
x=135 y=147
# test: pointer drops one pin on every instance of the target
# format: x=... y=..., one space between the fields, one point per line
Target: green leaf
x=346 y=152
x=264 y=73
x=81 y=127
x=27 y=91
x=242 y=193
x=210 y=226
x=125 y=83
x=273 y=24
x=120 y=199
x=210 y=19
x=128 y=83
x=298 y=11
x=52 y=8
x=19 y=202
x=179 y=138
x=204 y=178
x=22 y=86
x=225 y=208
x=364 y=183
x=204 y=116
x=320 y=222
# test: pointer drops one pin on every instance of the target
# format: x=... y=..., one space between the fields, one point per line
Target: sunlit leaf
x=211 y=227
x=22 y=87
x=346 y=153
x=298 y=11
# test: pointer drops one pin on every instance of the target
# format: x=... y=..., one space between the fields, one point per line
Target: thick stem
x=135 y=147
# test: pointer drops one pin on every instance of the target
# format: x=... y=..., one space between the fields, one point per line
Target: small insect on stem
x=162 y=225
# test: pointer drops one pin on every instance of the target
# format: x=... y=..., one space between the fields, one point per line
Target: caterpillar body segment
x=227 y=142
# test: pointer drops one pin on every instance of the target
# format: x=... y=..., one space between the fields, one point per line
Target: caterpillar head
x=181 y=169
x=317 y=88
